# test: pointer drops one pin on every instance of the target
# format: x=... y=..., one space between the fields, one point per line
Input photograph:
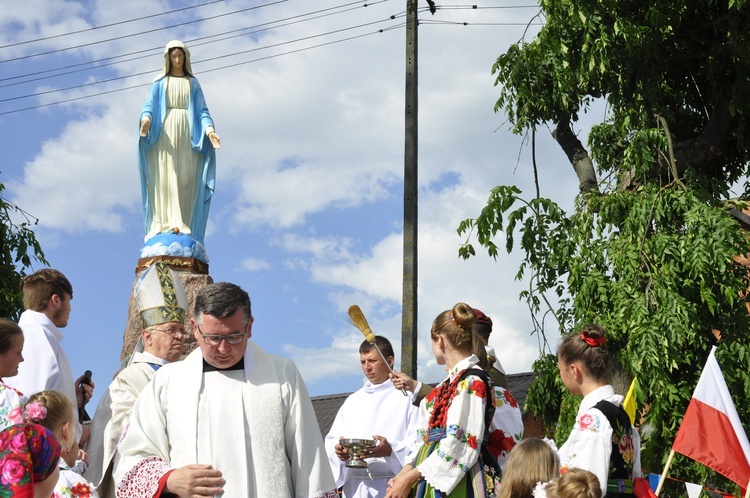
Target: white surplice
x=112 y=416
x=44 y=365
x=375 y=409
x=257 y=426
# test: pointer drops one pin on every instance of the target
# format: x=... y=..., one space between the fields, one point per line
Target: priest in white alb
x=379 y=412
x=229 y=419
x=162 y=305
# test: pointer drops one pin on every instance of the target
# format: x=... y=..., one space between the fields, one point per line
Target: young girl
x=11 y=401
x=603 y=440
x=28 y=459
x=575 y=483
x=451 y=419
x=531 y=461
x=55 y=412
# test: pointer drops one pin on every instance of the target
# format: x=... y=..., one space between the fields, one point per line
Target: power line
x=108 y=92
x=119 y=23
x=215 y=38
x=140 y=33
x=344 y=8
x=256 y=49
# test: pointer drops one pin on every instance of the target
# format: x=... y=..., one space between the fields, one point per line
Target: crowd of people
x=230 y=419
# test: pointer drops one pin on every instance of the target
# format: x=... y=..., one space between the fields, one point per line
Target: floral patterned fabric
x=28 y=454
x=73 y=485
x=589 y=445
x=11 y=406
x=446 y=462
x=506 y=430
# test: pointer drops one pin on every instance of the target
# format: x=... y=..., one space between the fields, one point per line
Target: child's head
x=55 y=412
x=11 y=347
x=575 y=483
x=531 y=461
x=588 y=351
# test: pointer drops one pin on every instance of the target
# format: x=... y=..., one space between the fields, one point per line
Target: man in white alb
x=229 y=419
x=376 y=411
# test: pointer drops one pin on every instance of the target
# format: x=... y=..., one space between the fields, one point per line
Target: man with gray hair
x=229 y=419
x=162 y=305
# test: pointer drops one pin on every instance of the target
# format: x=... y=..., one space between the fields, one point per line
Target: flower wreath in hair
x=593 y=341
x=34 y=412
x=540 y=490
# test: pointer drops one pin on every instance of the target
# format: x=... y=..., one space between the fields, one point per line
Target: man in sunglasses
x=162 y=304
x=229 y=419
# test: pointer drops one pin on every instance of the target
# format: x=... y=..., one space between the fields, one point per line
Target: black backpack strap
x=620 y=473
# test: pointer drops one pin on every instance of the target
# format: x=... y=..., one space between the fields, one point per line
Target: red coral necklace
x=446 y=393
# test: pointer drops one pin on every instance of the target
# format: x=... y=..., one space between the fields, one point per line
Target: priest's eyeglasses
x=173 y=332
x=215 y=339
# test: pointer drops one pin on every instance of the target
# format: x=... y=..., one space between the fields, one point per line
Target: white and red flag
x=711 y=432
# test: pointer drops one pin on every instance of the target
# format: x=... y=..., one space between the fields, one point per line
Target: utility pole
x=409 y=286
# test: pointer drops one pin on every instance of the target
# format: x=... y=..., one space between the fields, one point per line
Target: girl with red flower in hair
x=54 y=411
x=451 y=419
x=603 y=440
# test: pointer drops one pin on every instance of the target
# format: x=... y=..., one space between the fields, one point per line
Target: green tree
x=18 y=247
x=650 y=249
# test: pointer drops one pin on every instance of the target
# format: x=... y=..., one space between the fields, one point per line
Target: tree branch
x=578 y=156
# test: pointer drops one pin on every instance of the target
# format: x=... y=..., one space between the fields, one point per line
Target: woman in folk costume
x=451 y=419
x=11 y=400
x=506 y=430
x=603 y=440
x=28 y=461
x=176 y=151
x=54 y=411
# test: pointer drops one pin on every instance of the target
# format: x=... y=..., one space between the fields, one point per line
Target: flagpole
x=664 y=474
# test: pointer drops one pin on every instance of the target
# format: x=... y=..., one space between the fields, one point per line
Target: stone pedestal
x=192 y=282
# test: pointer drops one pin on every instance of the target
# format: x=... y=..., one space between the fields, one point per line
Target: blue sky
x=308 y=205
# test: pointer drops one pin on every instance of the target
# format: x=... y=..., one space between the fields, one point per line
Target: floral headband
x=593 y=341
x=35 y=412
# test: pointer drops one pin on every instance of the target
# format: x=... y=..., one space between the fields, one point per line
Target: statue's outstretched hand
x=215 y=140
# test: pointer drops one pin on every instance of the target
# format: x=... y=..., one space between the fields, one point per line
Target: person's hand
x=195 y=481
x=382 y=449
x=400 y=486
x=402 y=381
x=215 y=140
x=341 y=451
x=145 y=127
x=83 y=456
x=83 y=391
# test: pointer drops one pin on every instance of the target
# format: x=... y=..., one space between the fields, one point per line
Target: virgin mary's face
x=177 y=59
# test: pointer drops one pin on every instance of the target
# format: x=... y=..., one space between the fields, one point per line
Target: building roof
x=326 y=407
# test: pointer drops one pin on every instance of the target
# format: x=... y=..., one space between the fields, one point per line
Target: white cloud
x=255 y=264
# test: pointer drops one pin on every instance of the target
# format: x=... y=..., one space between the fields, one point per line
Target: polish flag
x=711 y=432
